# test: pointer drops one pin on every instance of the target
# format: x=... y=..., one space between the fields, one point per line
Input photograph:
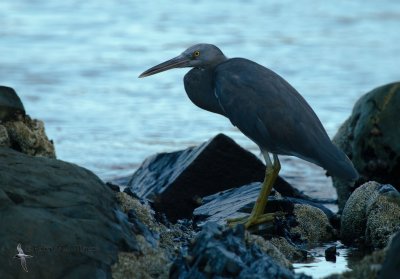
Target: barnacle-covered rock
x=371 y=215
x=28 y=136
x=18 y=130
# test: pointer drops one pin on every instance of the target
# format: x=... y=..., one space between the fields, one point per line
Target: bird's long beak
x=176 y=62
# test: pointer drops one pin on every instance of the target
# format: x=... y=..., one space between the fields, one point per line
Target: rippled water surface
x=75 y=65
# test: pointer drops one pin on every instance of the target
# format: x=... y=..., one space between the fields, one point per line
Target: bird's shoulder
x=246 y=74
x=244 y=68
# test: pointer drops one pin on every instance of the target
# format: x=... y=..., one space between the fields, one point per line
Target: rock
x=227 y=204
x=371 y=215
x=27 y=136
x=4 y=139
x=142 y=209
x=140 y=228
x=268 y=248
x=218 y=253
x=114 y=187
x=391 y=265
x=303 y=221
x=18 y=131
x=289 y=250
x=151 y=264
x=176 y=182
x=313 y=225
x=371 y=139
x=63 y=215
x=10 y=104
x=159 y=244
x=330 y=253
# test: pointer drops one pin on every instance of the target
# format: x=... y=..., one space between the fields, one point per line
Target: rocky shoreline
x=169 y=221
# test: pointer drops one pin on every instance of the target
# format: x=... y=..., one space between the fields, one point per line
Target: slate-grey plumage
x=264 y=107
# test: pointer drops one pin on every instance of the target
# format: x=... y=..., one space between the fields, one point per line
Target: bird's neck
x=218 y=60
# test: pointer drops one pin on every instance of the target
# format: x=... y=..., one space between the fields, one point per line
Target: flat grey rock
x=219 y=253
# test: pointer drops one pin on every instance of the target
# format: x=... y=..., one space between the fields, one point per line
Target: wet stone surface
x=223 y=253
x=176 y=182
x=301 y=221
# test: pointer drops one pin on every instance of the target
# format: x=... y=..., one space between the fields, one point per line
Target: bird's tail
x=336 y=162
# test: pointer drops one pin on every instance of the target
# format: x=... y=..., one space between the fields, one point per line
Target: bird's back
x=274 y=115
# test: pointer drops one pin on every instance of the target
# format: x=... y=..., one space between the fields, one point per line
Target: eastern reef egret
x=264 y=107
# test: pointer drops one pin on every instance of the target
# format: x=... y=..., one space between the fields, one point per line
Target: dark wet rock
x=330 y=253
x=239 y=201
x=139 y=227
x=235 y=202
x=391 y=265
x=114 y=187
x=10 y=104
x=300 y=221
x=63 y=215
x=28 y=136
x=371 y=139
x=371 y=215
x=176 y=182
x=218 y=253
x=121 y=181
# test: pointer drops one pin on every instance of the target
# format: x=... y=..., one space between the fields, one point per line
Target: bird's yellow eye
x=196 y=53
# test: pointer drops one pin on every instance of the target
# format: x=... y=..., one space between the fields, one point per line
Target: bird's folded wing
x=268 y=109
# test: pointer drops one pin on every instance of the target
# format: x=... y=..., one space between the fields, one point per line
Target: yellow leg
x=257 y=215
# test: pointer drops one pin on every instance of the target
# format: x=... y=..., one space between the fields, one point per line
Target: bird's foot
x=250 y=221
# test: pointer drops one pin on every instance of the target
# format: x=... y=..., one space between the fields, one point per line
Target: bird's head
x=198 y=56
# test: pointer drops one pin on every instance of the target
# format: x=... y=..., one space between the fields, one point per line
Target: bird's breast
x=200 y=89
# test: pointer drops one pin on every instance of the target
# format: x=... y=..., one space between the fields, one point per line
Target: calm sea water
x=75 y=66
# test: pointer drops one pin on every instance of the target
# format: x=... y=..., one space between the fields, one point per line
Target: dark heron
x=264 y=107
